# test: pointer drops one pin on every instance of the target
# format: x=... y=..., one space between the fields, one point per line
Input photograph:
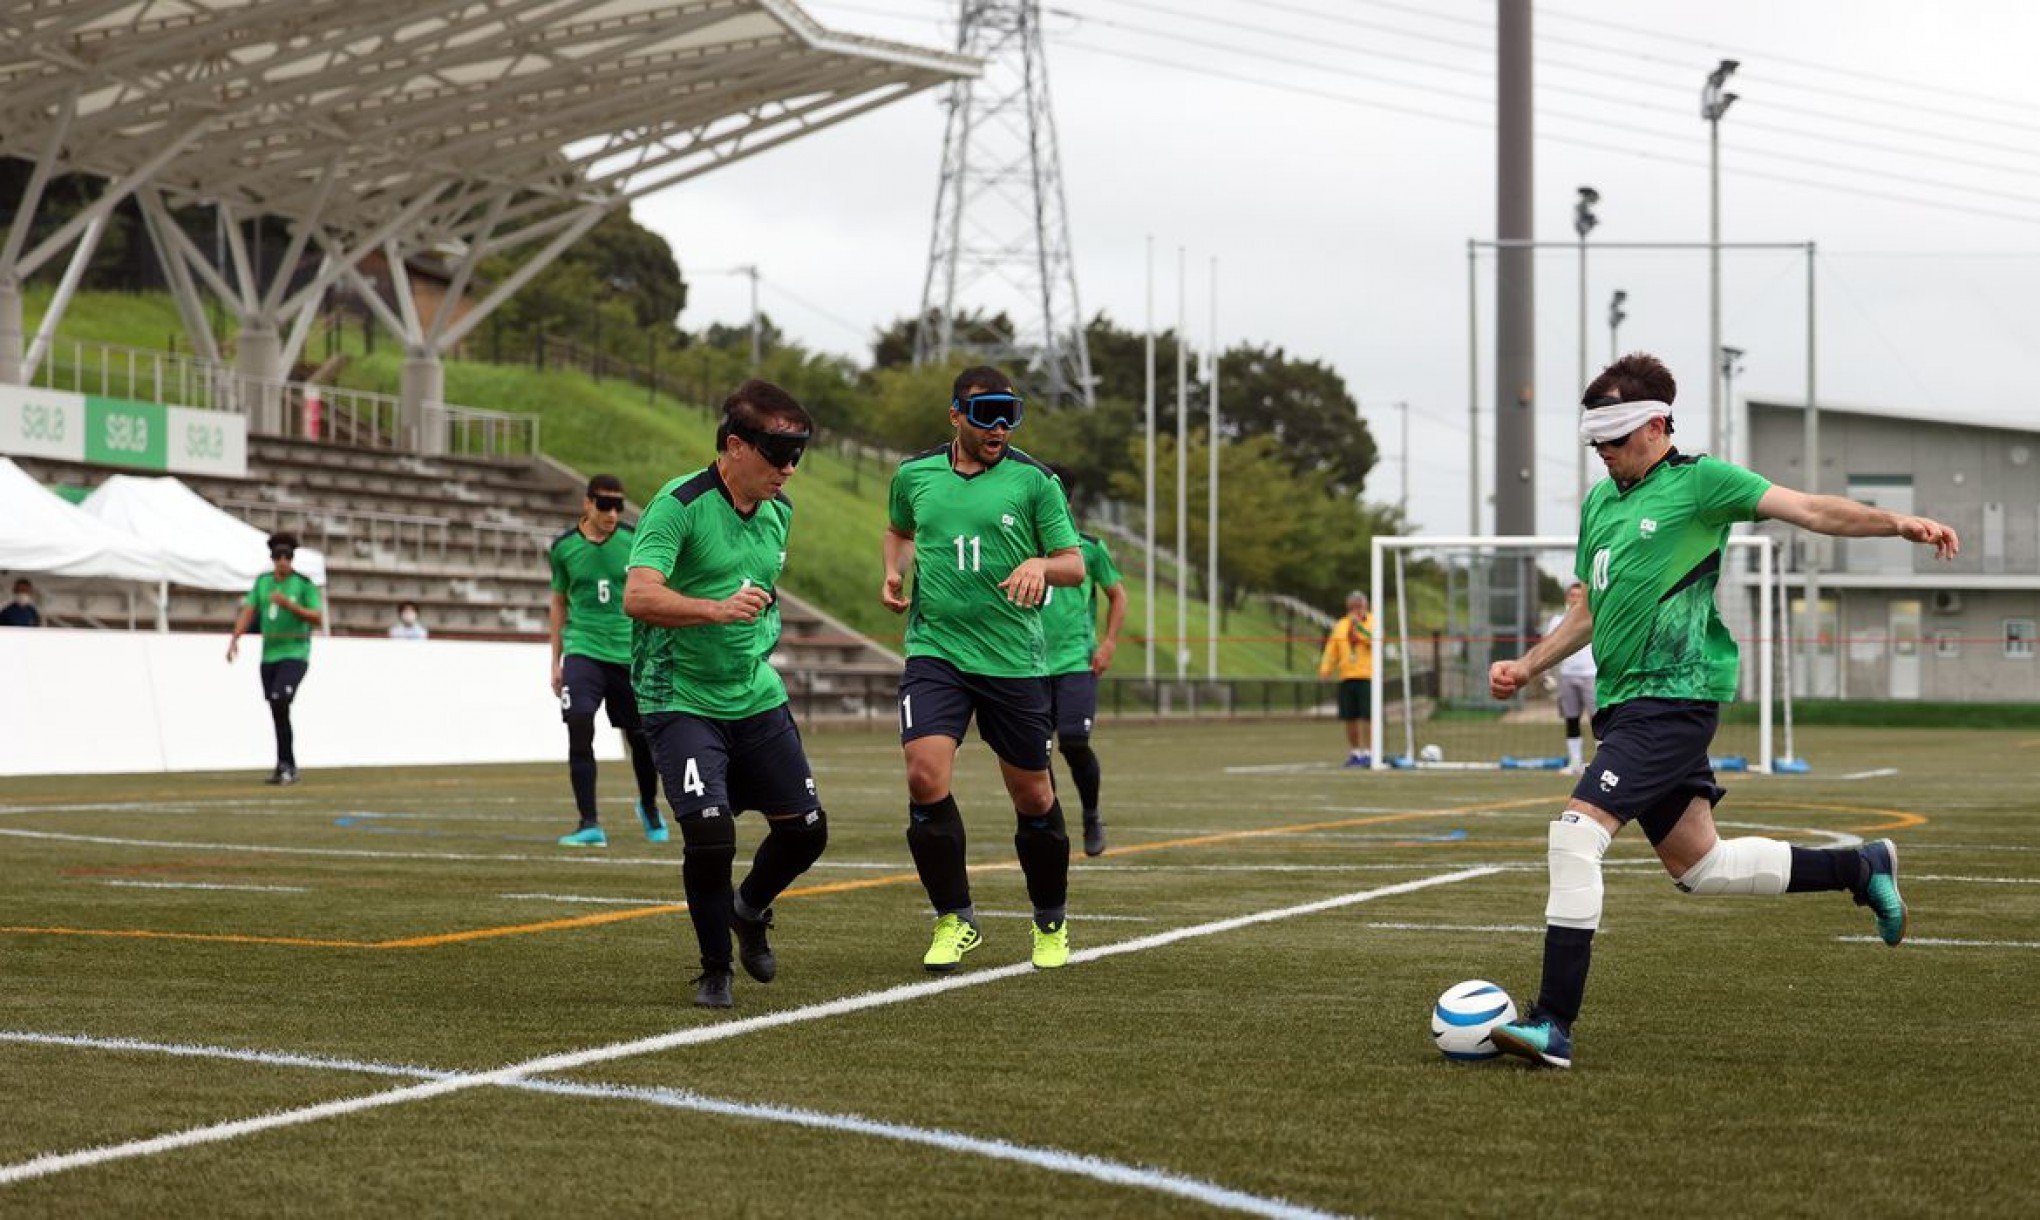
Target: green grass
x=146 y=320
x=1733 y=1047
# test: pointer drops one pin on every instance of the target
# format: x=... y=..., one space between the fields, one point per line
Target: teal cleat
x=586 y=836
x=655 y=830
x=1541 y=1040
x=1880 y=889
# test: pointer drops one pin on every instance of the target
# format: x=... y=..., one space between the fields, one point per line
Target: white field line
x=351 y=853
x=1052 y=1159
x=52 y=1163
x=205 y=885
x=1877 y=773
x=592 y=899
x=1498 y=866
x=1283 y=768
x=1835 y=838
x=1949 y=944
x=1973 y=880
x=1076 y=914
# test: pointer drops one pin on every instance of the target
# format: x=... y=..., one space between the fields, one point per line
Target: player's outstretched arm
x=1840 y=517
x=1574 y=632
x=899 y=558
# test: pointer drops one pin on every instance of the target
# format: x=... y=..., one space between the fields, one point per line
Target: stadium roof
x=422 y=115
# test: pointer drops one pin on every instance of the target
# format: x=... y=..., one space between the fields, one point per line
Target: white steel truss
x=1001 y=240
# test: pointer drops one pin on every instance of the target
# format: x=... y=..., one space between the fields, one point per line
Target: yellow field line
x=1897 y=819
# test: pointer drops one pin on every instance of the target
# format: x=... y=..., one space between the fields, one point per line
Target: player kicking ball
x=1650 y=552
x=701 y=587
x=986 y=531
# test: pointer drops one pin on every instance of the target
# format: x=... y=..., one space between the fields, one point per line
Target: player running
x=1650 y=552
x=709 y=550
x=591 y=656
x=288 y=605
x=1077 y=656
x=986 y=531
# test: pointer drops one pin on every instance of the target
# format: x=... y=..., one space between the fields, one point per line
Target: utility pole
x=1182 y=466
x=1584 y=221
x=1211 y=496
x=1731 y=368
x=1714 y=102
x=1515 y=277
x=757 y=322
x=1403 y=504
x=1616 y=317
x=1150 y=345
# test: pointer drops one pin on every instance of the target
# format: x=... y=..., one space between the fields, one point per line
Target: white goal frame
x=1765 y=546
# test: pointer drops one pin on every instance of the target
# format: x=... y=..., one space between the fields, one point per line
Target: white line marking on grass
x=205 y=885
x=1281 y=768
x=1949 y=944
x=1052 y=1159
x=52 y=1163
x=1078 y=915
x=1877 y=773
x=1835 y=838
x=1974 y=880
x=352 y=853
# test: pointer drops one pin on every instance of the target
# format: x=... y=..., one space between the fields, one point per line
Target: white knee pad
x=1741 y=866
x=1577 y=844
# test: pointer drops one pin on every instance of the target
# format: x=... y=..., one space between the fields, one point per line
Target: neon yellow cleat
x=953 y=939
x=1052 y=948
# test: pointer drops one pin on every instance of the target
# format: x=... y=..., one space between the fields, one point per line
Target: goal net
x=1446 y=608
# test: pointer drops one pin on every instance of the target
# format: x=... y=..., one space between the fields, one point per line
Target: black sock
x=705 y=868
x=1825 y=868
x=1084 y=769
x=581 y=765
x=279 y=714
x=1567 y=954
x=1043 y=844
x=647 y=771
x=786 y=851
x=935 y=839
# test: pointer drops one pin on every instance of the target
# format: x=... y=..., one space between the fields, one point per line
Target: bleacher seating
x=465 y=538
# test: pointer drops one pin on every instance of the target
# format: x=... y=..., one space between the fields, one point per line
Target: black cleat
x=753 y=949
x=712 y=989
x=1094 y=835
x=275 y=777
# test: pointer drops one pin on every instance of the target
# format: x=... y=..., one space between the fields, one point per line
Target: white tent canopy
x=203 y=546
x=42 y=532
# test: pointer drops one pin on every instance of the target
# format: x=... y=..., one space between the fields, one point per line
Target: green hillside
x=611 y=426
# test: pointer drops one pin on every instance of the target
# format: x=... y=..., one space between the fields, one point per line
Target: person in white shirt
x=1575 y=682
x=407 y=626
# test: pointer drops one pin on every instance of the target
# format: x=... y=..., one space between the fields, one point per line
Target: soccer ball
x=1466 y=1014
x=1431 y=753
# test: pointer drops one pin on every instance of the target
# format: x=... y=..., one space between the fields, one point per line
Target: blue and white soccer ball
x=1466 y=1015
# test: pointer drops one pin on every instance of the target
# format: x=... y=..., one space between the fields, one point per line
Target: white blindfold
x=1613 y=422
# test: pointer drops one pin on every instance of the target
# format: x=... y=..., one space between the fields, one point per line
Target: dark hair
x=1637 y=377
x=23 y=582
x=283 y=538
x=984 y=379
x=756 y=403
x=604 y=483
x=403 y=606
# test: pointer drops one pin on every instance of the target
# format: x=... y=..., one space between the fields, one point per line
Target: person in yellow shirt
x=1349 y=651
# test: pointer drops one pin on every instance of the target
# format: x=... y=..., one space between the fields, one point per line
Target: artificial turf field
x=393 y=940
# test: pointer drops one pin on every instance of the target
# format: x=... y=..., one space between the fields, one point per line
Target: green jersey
x=692 y=535
x=1650 y=558
x=970 y=532
x=590 y=575
x=1069 y=616
x=285 y=636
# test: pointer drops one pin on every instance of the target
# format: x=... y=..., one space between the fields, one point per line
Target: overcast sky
x=1336 y=156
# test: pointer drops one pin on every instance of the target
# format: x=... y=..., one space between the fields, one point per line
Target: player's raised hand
x=1505 y=678
x=1027 y=584
x=744 y=605
x=892 y=594
x=1931 y=533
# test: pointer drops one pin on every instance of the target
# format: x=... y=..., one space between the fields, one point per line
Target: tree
x=893 y=347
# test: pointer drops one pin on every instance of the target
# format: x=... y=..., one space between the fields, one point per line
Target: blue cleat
x=655 y=830
x=1362 y=759
x=586 y=836
x=1880 y=889
x=1539 y=1039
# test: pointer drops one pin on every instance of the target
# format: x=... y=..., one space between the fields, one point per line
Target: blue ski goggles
x=991 y=410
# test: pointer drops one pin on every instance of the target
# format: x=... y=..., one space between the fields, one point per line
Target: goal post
x=1445 y=608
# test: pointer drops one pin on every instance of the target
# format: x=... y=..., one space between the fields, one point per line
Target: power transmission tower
x=1001 y=242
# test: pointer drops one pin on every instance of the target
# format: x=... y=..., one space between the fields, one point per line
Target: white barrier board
x=110 y=702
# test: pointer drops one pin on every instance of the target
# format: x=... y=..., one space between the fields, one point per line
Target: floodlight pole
x=1584 y=221
x=1472 y=387
x=1211 y=498
x=1616 y=317
x=1182 y=466
x=1730 y=366
x=1714 y=103
x=1150 y=459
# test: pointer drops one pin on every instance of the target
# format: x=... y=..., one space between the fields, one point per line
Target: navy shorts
x=1356 y=699
x=1014 y=715
x=1076 y=703
x=591 y=684
x=1651 y=762
x=732 y=765
x=281 y=679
